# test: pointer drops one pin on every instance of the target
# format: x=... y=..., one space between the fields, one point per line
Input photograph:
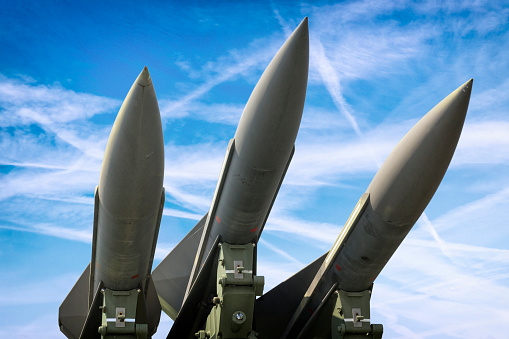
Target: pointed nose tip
x=458 y=100
x=411 y=174
x=271 y=119
x=144 y=78
x=302 y=29
x=467 y=86
x=304 y=24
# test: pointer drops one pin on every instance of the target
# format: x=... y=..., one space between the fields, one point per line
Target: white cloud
x=431 y=289
x=27 y=103
x=316 y=232
x=483 y=142
x=281 y=253
x=228 y=114
x=55 y=231
x=229 y=67
x=485 y=217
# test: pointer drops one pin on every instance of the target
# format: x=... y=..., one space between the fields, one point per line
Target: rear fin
x=171 y=276
x=94 y=317
x=197 y=305
x=152 y=305
x=74 y=309
x=275 y=308
x=315 y=323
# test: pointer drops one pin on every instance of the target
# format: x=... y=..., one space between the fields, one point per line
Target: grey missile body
x=401 y=190
x=130 y=190
x=262 y=147
x=253 y=169
x=128 y=207
x=394 y=200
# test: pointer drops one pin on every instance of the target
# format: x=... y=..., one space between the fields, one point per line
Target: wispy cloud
x=55 y=109
x=486 y=215
x=228 y=114
x=322 y=233
x=226 y=68
x=281 y=253
x=439 y=286
x=55 y=231
x=48 y=104
x=483 y=142
x=332 y=83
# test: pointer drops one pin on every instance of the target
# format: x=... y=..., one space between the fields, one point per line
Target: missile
x=401 y=190
x=255 y=164
x=393 y=202
x=261 y=150
x=115 y=295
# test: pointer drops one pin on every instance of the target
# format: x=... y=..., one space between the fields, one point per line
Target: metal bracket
x=237 y=288
x=342 y=315
x=119 y=315
x=351 y=316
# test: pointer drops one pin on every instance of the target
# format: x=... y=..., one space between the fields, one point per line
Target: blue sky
x=376 y=67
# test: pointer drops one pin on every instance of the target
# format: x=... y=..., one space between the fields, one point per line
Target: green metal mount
x=237 y=287
x=119 y=315
x=351 y=316
x=342 y=315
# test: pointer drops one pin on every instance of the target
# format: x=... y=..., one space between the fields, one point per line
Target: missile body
x=263 y=145
x=401 y=190
x=394 y=200
x=130 y=190
x=128 y=206
x=253 y=169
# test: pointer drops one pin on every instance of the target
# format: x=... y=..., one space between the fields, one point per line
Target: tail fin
x=275 y=308
x=94 y=317
x=171 y=276
x=74 y=309
x=152 y=306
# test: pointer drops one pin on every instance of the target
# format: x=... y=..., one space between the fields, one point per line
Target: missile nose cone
x=304 y=25
x=409 y=177
x=144 y=78
x=271 y=119
x=131 y=177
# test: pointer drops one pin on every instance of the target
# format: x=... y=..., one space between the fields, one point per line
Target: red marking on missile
x=135 y=276
x=96 y=264
x=254 y=229
x=338 y=268
x=373 y=279
x=218 y=220
x=311 y=310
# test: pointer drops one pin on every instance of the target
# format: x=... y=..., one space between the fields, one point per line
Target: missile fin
x=94 y=317
x=74 y=309
x=322 y=282
x=313 y=325
x=171 y=276
x=275 y=308
x=149 y=308
x=196 y=306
